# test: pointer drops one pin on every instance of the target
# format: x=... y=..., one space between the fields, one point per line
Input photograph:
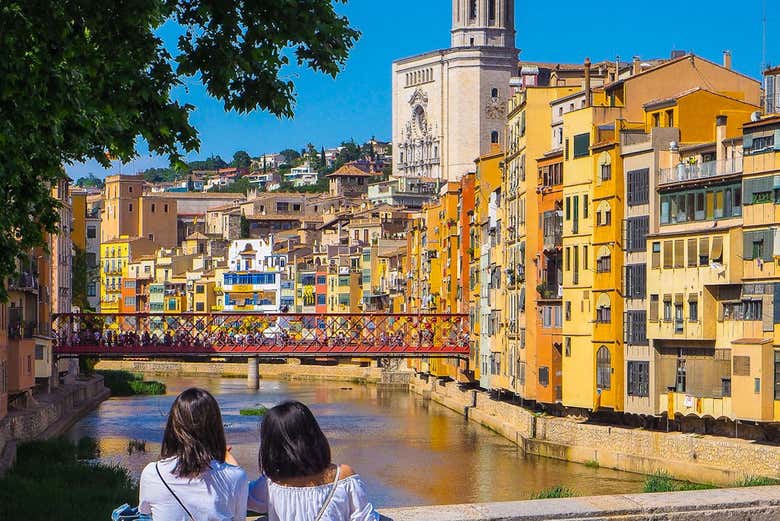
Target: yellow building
x=344 y=290
x=115 y=256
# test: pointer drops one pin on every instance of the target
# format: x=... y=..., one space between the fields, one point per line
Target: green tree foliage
x=160 y=175
x=244 y=224
x=350 y=152
x=240 y=185
x=290 y=155
x=241 y=159
x=85 y=79
x=211 y=163
x=91 y=181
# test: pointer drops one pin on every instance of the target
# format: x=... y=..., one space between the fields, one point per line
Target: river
x=408 y=451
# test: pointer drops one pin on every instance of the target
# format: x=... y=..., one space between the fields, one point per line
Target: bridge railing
x=280 y=333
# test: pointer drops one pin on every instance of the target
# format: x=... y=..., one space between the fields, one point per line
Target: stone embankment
x=702 y=459
x=289 y=371
x=741 y=504
x=49 y=415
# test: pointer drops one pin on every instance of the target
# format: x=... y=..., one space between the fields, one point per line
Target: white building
x=302 y=176
x=254 y=276
x=450 y=104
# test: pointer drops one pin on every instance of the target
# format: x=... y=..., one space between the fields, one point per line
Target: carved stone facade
x=450 y=105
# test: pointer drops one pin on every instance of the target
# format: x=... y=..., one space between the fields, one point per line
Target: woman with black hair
x=196 y=478
x=298 y=481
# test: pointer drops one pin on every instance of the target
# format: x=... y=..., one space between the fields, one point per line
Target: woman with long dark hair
x=196 y=478
x=298 y=480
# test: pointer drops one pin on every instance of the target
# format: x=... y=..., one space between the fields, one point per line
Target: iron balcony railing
x=693 y=171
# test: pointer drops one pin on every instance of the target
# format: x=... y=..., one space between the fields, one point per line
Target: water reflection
x=408 y=451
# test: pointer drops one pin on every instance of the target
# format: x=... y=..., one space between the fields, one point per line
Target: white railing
x=691 y=171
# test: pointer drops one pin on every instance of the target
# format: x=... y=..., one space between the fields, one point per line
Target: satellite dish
x=673 y=146
x=755 y=116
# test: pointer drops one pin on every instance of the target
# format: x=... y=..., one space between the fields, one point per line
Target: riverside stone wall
x=691 y=457
x=288 y=371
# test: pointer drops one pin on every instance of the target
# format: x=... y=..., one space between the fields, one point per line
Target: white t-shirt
x=282 y=503
x=219 y=494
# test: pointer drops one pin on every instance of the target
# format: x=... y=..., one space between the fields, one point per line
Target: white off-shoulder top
x=284 y=503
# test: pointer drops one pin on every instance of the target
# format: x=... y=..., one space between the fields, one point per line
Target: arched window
x=494 y=93
x=603 y=309
x=494 y=136
x=603 y=368
x=604 y=214
x=605 y=167
x=604 y=260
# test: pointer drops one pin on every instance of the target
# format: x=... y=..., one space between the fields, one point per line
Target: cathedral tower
x=483 y=23
x=449 y=105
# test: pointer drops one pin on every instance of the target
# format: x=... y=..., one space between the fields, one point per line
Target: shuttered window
x=668 y=254
x=704 y=251
x=635 y=327
x=636 y=233
x=758 y=244
x=638 y=379
x=581 y=145
x=653 y=312
x=636 y=275
x=756 y=190
x=679 y=253
x=656 y=256
x=693 y=258
x=637 y=187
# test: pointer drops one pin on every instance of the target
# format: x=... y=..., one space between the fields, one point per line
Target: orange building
x=127 y=211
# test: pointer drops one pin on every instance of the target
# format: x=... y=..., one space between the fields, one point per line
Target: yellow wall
x=78 y=232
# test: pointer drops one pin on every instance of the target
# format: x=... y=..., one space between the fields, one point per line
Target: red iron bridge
x=269 y=335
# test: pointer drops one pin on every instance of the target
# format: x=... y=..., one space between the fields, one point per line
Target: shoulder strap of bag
x=157 y=468
x=330 y=494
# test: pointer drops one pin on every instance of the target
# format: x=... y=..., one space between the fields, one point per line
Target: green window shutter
x=581 y=145
x=769 y=236
x=747 y=246
x=747 y=192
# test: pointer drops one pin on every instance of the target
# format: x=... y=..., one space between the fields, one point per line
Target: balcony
x=24 y=282
x=692 y=172
x=686 y=404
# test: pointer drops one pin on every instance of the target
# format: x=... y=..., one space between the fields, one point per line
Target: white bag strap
x=330 y=495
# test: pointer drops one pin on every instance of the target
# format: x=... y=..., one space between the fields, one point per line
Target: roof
x=196 y=236
x=351 y=170
x=671 y=99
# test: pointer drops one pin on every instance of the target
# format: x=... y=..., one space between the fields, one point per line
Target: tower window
x=494 y=136
x=491 y=11
x=494 y=93
x=473 y=9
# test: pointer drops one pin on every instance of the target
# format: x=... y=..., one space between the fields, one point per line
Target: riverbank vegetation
x=253 y=411
x=555 y=492
x=125 y=383
x=663 y=482
x=51 y=480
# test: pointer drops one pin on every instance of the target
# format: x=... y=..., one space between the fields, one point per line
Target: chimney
x=587 y=82
x=637 y=66
x=720 y=137
x=727 y=59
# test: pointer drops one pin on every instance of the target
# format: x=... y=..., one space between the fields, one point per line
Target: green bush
x=49 y=482
x=253 y=411
x=125 y=383
x=662 y=482
x=756 y=481
x=591 y=463
x=557 y=491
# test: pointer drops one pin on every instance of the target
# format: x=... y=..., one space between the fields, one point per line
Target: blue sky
x=357 y=103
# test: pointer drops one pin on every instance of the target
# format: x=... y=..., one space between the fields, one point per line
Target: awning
x=751 y=341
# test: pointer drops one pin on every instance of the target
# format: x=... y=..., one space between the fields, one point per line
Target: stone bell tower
x=483 y=23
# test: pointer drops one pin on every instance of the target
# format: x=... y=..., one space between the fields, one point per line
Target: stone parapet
x=740 y=504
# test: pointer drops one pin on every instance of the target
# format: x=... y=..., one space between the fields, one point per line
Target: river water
x=408 y=451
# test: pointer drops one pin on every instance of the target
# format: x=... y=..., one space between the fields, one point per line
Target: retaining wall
x=743 y=504
x=691 y=457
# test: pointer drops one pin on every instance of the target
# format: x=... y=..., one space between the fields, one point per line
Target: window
x=494 y=136
x=679 y=253
x=567 y=346
x=91 y=289
x=584 y=256
x=91 y=232
x=606 y=172
x=636 y=233
x=693 y=308
x=130 y=302
x=657 y=119
x=544 y=376
x=725 y=387
x=165 y=208
x=604 y=214
x=777 y=375
x=681 y=380
x=567 y=310
x=473 y=10
x=129 y=207
x=494 y=93
x=581 y=145
x=567 y=205
x=667 y=308
x=603 y=309
x=668 y=254
x=653 y=308
x=604 y=262
x=656 y=255
x=678 y=315
x=757 y=385
x=635 y=280
x=634 y=327
x=638 y=187
x=200 y=289
x=320 y=299
x=603 y=368
x=638 y=379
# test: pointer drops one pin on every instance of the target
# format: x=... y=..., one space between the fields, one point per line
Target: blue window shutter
x=747 y=141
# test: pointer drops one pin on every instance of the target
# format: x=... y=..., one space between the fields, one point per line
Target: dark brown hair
x=291 y=443
x=194 y=433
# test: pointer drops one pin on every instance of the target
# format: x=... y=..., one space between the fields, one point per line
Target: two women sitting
x=197 y=479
